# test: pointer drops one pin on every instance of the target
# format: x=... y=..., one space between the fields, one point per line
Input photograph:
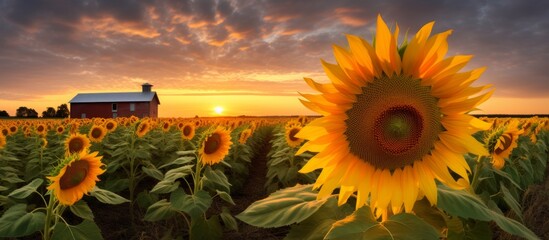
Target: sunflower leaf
x=206 y=229
x=464 y=204
x=283 y=207
x=26 y=190
x=216 y=179
x=82 y=210
x=228 y=219
x=195 y=204
x=107 y=197
x=318 y=224
x=159 y=211
x=85 y=230
x=17 y=222
x=362 y=225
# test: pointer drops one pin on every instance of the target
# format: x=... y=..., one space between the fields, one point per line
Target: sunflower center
x=398 y=129
x=109 y=125
x=74 y=174
x=96 y=133
x=187 y=130
x=212 y=143
x=507 y=140
x=76 y=145
x=394 y=122
x=292 y=134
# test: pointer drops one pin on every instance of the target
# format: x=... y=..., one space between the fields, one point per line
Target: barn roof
x=114 y=97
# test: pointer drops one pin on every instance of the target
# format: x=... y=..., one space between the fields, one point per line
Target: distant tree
x=26 y=112
x=49 y=113
x=3 y=113
x=31 y=113
x=21 y=112
x=62 y=111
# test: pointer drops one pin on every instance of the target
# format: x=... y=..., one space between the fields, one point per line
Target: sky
x=249 y=57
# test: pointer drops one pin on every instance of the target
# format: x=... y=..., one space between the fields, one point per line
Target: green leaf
x=202 y=229
x=151 y=171
x=165 y=187
x=82 y=210
x=464 y=204
x=228 y=219
x=225 y=196
x=362 y=225
x=179 y=161
x=283 y=207
x=17 y=222
x=195 y=204
x=187 y=152
x=85 y=230
x=216 y=179
x=107 y=197
x=26 y=190
x=318 y=224
x=159 y=211
x=455 y=228
x=511 y=201
x=429 y=214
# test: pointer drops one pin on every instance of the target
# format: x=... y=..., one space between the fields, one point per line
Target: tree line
x=24 y=112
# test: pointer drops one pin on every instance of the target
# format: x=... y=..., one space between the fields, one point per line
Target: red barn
x=112 y=105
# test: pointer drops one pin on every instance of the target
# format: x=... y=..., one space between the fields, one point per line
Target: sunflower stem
x=476 y=174
x=50 y=216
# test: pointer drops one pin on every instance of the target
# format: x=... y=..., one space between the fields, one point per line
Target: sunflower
x=77 y=177
x=166 y=126
x=41 y=129
x=215 y=146
x=97 y=133
x=188 y=131
x=13 y=129
x=501 y=141
x=143 y=128
x=111 y=125
x=43 y=142
x=60 y=129
x=5 y=132
x=244 y=135
x=76 y=143
x=291 y=139
x=394 y=120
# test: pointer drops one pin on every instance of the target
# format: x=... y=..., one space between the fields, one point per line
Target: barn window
x=132 y=107
x=114 y=107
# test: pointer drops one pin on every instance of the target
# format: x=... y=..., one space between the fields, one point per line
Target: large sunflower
x=394 y=120
x=76 y=143
x=97 y=133
x=501 y=142
x=215 y=146
x=76 y=178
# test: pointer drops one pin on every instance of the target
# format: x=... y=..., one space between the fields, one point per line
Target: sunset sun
x=218 y=110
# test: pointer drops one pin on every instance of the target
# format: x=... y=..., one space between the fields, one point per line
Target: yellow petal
x=339 y=79
x=426 y=182
x=409 y=188
x=396 y=198
x=385 y=188
x=410 y=63
x=383 y=46
x=364 y=55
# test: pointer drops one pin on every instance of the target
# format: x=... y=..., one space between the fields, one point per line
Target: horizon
x=249 y=57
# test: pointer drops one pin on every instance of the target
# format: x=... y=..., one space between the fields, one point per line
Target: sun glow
x=218 y=110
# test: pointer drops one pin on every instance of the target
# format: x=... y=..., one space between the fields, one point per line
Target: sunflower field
x=393 y=154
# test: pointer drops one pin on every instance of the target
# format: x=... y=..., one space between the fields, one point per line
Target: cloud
x=45 y=46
